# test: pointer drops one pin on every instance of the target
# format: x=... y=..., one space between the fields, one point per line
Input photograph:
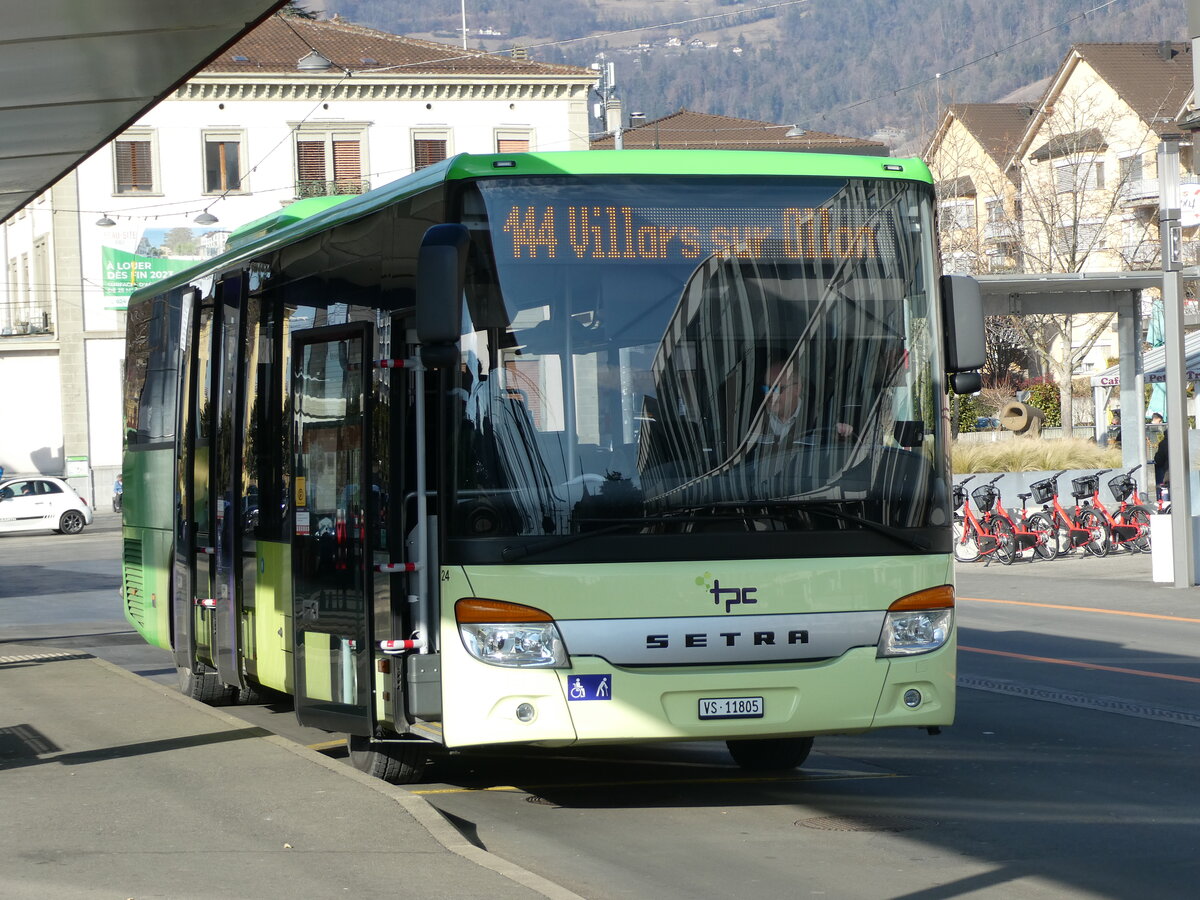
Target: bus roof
x=310 y=216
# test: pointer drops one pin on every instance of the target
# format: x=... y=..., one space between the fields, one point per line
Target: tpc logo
x=730 y=596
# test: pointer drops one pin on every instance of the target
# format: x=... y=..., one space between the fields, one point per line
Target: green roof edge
x=566 y=162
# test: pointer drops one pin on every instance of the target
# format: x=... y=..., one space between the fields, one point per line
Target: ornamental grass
x=1030 y=454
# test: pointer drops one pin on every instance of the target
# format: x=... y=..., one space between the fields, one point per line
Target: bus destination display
x=564 y=233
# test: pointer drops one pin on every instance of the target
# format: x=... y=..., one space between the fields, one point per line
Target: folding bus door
x=192 y=582
x=227 y=480
x=332 y=531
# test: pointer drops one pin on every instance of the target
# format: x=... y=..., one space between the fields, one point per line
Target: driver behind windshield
x=787 y=418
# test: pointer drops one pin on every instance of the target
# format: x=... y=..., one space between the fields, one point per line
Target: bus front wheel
x=770 y=754
x=396 y=762
x=205 y=687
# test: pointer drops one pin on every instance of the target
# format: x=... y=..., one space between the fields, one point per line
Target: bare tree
x=1064 y=207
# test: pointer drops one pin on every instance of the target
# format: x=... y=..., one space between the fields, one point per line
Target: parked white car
x=30 y=504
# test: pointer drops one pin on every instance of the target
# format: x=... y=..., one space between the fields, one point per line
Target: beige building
x=1068 y=183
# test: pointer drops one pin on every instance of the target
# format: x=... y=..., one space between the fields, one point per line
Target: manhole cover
x=862 y=823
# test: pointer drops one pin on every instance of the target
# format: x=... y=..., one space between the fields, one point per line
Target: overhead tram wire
x=787 y=3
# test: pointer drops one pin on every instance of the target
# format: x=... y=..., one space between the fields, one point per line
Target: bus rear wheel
x=770 y=754
x=396 y=762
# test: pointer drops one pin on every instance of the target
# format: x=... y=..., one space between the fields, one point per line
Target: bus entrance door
x=332 y=576
x=227 y=482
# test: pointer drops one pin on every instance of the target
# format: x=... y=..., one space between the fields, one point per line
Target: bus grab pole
x=423 y=620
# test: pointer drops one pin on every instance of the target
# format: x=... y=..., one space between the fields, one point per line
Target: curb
x=420 y=809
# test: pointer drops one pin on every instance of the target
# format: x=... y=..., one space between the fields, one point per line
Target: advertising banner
x=157 y=254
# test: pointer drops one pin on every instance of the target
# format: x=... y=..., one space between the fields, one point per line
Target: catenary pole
x=1178 y=462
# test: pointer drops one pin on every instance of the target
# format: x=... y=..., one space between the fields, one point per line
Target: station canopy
x=1154 y=365
x=76 y=74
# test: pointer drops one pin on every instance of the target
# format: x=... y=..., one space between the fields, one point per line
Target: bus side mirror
x=962 y=314
x=441 y=271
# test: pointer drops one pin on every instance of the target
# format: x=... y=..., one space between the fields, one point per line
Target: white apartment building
x=297 y=108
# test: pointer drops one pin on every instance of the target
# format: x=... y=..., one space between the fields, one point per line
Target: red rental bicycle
x=1129 y=526
x=1080 y=528
x=1034 y=532
x=971 y=538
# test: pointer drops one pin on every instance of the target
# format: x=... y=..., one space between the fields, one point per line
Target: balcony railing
x=1144 y=253
x=26 y=317
x=331 y=188
x=1000 y=231
x=1139 y=191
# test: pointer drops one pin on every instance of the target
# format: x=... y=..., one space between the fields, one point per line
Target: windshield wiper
x=834 y=509
x=520 y=551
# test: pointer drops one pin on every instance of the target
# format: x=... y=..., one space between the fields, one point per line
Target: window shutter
x=134 y=169
x=310 y=161
x=1064 y=178
x=512 y=145
x=427 y=151
x=347 y=163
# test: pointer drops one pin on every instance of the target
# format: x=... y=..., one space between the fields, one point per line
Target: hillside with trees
x=862 y=67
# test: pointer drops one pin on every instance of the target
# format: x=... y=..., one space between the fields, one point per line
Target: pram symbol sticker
x=589 y=687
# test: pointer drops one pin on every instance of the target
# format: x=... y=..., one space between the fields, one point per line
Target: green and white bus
x=561 y=449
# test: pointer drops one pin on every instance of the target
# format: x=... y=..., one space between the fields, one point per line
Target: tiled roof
x=998 y=127
x=687 y=130
x=1154 y=79
x=277 y=44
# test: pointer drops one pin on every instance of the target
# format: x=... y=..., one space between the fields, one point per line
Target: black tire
x=71 y=522
x=1047 y=545
x=1006 y=540
x=251 y=693
x=966 y=547
x=1094 y=522
x=770 y=754
x=205 y=687
x=1139 y=516
x=1062 y=536
x=396 y=762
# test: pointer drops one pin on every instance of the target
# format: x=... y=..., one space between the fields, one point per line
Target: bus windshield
x=699 y=359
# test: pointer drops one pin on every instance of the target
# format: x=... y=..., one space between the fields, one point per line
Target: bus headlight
x=918 y=623
x=510 y=634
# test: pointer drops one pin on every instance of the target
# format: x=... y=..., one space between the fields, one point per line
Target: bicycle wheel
x=1006 y=541
x=1139 y=516
x=1047 y=545
x=1061 y=536
x=966 y=547
x=1094 y=523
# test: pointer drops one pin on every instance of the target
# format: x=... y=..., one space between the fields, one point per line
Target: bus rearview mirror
x=441 y=269
x=962 y=314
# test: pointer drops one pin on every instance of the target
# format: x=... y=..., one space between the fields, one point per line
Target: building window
x=330 y=162
x=133 y=160
x=222 y=163
x=1079 y=176
x=513 y=141
x=995 y=212
x=429 y=147
x=958 y=214
x=1131 y=169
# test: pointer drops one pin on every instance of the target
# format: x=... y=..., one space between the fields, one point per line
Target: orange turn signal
x=941 y=597
x=476 y=610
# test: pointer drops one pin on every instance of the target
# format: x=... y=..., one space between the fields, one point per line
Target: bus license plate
x=731 y=708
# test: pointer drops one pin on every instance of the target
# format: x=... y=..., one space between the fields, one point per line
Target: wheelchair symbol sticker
x=589 y=687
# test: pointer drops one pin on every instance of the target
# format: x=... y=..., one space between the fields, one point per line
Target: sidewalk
x=115 y=786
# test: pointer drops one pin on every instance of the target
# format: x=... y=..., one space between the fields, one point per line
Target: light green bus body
x=855 y=692
x=610 y=689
